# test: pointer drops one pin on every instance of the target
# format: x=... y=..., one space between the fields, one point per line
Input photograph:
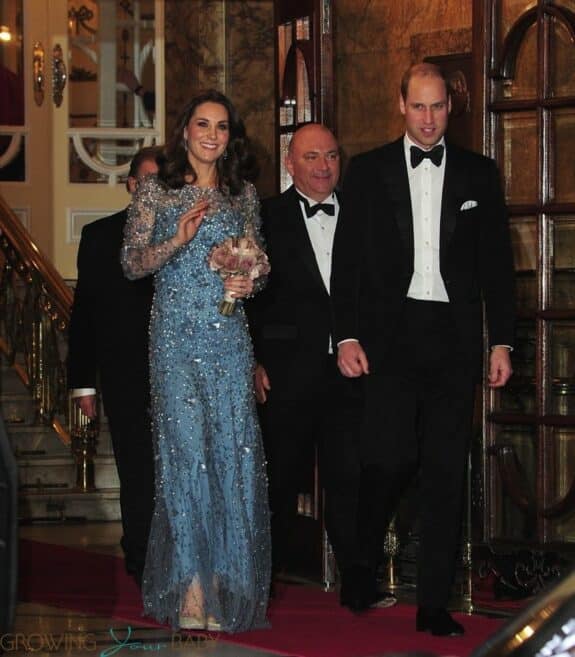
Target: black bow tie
x=418 y=155
x=311 y=210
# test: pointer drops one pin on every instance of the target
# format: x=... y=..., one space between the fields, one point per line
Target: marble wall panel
x=375 y=42
x=250 y=78
x=195 y=51
x=226 y=45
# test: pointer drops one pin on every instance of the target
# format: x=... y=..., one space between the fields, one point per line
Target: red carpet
x=305 y=622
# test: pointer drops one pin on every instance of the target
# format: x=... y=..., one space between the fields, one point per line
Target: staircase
x=54 y=475
x=46 y=466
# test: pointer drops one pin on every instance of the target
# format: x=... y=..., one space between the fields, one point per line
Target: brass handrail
x=35 y=306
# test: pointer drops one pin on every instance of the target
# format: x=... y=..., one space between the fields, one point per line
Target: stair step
x=43 y=475
x=17 y=408
x=35 y=440
x=39 y=440
x=10 y=381
x=59 y=506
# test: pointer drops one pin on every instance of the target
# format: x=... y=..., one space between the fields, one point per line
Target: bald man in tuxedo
x=305 y=402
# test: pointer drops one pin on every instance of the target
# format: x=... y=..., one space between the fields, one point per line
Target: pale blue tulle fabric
x=210 y=522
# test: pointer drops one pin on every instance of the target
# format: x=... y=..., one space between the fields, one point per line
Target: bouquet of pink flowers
x=237 y=256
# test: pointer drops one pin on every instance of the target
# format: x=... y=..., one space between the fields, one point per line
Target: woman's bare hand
x=189 y=223
x=239 y=286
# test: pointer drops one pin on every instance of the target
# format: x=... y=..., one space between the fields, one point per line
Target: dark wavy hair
x=238 y=164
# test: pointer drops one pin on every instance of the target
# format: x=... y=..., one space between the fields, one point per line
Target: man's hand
x=351 y=359
x=87 y=404
x=261 y=384
x=499 y=367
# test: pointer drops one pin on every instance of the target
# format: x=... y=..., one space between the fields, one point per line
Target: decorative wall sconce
x=59 y=75
x=5 y=34
x=38 y=79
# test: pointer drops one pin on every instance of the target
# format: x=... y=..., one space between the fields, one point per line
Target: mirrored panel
x=111 y=85
x=525 y=252
x=563 y=279
x=524 y=83
x=91 y=159
x=517 y=138
x=12 y=140
x=507 y=14
x=561 y=70
x=111 y=65
x=295 y=61
x=519 y=395
x=524 y=354
x=562 y=188
x=562 y=476
x=514 y=464
x=562 y=370
x=567 y=4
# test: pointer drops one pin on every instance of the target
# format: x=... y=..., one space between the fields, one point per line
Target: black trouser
x=132 y=442
x=329 y=418
x=419 y=412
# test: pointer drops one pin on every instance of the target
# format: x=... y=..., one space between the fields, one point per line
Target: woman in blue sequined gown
x=208 y=560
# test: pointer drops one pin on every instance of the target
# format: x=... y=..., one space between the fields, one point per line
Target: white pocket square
x=468 y=205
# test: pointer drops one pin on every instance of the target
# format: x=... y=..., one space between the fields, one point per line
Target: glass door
x=528 y=459
x=304 y=71
x=93 y=95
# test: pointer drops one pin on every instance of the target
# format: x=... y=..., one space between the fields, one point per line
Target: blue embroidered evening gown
x=210 y=526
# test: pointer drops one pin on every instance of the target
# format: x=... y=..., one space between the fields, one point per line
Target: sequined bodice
x=189 y=266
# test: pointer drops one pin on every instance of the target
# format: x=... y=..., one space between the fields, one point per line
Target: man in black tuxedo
x=108 y=348
x=305 y=401
x=422 y=242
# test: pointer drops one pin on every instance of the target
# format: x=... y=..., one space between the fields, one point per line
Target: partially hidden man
x=108 y=350
x=422 y=242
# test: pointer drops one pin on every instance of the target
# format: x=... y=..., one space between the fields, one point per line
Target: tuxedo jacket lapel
x=300 y=237
x=397 y=181
x=452 y=190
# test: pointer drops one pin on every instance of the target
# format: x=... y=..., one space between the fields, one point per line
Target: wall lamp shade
x=5 y=34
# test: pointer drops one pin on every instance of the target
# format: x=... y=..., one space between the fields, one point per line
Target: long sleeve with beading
x=140 y=256
x=250 y=209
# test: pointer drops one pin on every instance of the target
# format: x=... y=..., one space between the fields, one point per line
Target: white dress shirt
x=321 y=230
x=426 y=189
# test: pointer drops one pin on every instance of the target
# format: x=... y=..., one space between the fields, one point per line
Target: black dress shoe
x=357 y=591
x=355 y=601
x=359 y=603
x=383 y=600
x=437 y=621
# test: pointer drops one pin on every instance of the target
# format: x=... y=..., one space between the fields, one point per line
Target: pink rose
x=232 y=262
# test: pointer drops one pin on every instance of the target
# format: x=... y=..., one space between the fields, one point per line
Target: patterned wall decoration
x=375 y=43
x=227 y=45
